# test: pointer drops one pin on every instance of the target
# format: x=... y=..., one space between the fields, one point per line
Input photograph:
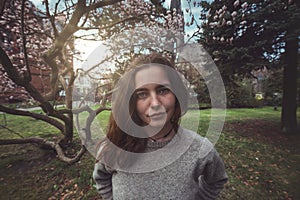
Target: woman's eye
x=163 y=91
x=141 y=95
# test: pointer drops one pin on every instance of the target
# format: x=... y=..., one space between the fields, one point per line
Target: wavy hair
x=125 y=91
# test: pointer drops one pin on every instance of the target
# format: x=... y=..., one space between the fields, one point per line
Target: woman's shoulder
x=198 y=139
x=200 y=145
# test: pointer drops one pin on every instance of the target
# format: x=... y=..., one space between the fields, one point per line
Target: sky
x=38 y=3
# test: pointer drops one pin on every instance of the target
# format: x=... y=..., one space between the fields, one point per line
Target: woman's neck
x=165 y=134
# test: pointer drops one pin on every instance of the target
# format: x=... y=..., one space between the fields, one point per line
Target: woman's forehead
x=151 y=75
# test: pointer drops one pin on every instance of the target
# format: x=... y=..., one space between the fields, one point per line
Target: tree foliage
x=243 y=36
x=246 y=35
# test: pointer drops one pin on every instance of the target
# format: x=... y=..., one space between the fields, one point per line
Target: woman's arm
x=212 y=179
x=103 y=178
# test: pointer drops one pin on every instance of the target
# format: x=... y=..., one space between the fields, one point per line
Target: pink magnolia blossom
x=243 y=22
x=244 y=5
x=236 y=3
x=234 y=13
x=229 y=23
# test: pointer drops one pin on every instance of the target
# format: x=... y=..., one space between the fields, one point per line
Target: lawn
x=261 y=162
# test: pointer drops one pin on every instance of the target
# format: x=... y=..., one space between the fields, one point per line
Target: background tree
x=243 y=36
x=56 y=50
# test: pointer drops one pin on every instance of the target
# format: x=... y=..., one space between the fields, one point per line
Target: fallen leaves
x=259 y=161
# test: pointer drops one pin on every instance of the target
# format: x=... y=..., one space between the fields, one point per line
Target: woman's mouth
x=157 y=115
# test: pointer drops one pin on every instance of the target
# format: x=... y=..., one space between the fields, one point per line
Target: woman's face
x=155 y=100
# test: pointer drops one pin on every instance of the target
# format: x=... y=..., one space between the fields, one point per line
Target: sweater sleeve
x=211 y=181
x=103 y=178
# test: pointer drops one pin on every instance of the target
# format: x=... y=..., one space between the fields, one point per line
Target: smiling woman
x=146 y=154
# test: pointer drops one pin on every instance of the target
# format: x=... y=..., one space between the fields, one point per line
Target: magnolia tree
x=44 y=39
x=243 y=36
x=24 y=43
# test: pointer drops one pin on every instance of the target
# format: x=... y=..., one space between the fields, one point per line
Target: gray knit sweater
x=197 y=173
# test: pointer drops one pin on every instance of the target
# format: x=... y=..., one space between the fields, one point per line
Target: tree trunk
x=69 y=130
x=289 y=101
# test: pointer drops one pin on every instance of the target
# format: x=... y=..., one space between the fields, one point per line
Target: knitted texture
x=199 y=173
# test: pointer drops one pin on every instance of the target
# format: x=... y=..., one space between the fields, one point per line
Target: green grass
x=258 y=169
x=259 y=113
x=261 y=162
x=25 y=127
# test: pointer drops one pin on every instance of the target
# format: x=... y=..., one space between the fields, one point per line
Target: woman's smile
x=158 y=116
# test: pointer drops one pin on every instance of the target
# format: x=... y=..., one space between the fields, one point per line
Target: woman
x=146 y=154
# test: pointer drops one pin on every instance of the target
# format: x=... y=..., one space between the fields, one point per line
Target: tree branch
x=10 y=69
x=44 y=118
x=51 y=18
x=15 y=77
x=89 y=119
x=53 y=145
x=27 y=76
x=2 y=6
x=102 y=4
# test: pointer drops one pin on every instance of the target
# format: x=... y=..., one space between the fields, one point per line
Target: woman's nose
x=155 y=102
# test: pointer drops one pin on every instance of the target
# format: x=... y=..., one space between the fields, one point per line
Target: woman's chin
x=158 y=123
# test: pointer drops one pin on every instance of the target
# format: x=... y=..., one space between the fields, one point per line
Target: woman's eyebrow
x=140 y=89
x=167 y=85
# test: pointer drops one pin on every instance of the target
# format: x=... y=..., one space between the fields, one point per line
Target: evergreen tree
x=245 y=35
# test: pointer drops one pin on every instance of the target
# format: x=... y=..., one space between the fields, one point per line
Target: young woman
x=146 y=154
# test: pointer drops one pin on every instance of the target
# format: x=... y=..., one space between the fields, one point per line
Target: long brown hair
x=115 y=134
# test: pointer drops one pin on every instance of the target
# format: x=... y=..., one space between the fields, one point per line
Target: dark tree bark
x=43 y=142
x=289 y=102
x=2 y=6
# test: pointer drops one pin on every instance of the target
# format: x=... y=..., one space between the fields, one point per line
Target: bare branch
x=120 y=21
x=51 y=18
x=10 y=69
x=89 y=119
x=2 y=6
x=102 y=4
x=40 y=141
x=27 y=76
x=56 y=6
x=36 y=140
x=88 y=109
x=85 y=19
x=54 y=77
x=72 y=27
x=103 y=61
x=44 y=118
x=66 y=159
x=86 y=36
x=87 y=29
